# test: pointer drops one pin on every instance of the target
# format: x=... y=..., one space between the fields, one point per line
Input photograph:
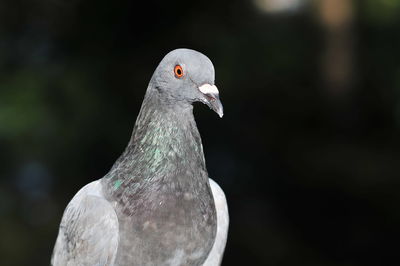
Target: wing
x=217 y=251
x=88 y=233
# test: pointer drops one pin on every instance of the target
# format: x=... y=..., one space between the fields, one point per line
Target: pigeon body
x=157 y=205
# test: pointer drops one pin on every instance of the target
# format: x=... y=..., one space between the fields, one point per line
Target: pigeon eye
x=178 y=71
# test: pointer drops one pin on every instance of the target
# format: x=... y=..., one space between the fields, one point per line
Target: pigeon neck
x=162 y=123
x=165 y=145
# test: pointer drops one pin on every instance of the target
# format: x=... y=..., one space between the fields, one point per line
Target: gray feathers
x=156 y=205
x=88 y=231
x=215 y=256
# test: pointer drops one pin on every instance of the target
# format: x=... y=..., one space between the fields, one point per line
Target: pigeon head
x=185 y=76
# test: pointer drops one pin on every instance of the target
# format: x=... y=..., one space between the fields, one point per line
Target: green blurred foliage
x=381 y=12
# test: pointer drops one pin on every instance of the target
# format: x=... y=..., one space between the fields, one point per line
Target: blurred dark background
x=308 y=151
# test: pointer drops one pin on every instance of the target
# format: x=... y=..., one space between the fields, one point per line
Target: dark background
x=308 y=152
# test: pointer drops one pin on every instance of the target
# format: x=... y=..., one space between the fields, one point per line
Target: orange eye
x=178 y=71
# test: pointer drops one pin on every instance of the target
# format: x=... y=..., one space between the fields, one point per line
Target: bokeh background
x=308 y=151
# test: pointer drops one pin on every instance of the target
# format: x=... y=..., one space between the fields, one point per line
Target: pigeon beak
x=211 y=93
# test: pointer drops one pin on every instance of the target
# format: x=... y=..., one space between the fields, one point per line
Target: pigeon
x=157 y=204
